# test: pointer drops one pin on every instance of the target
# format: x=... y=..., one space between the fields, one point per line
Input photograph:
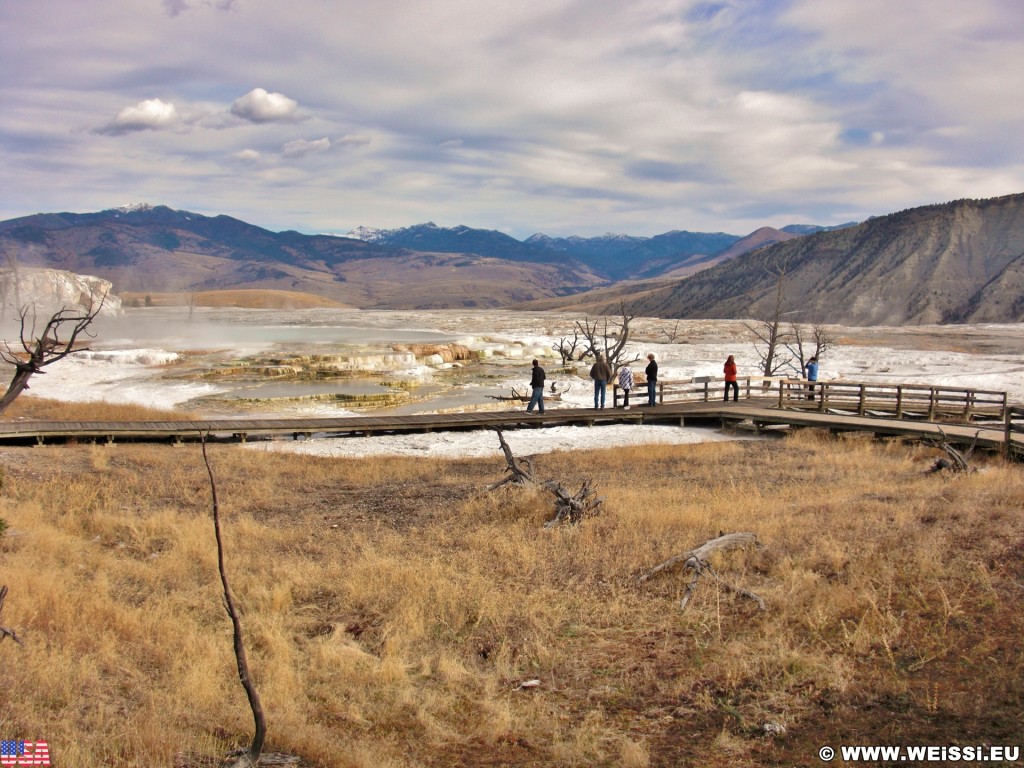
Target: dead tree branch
x=957 y=462
x=251 y=756
x=4 y=631
x=608 y=339
x=517 y=475
x=56 y=342
x=696 y=560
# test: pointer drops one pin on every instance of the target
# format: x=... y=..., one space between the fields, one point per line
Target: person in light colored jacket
x=625 y=384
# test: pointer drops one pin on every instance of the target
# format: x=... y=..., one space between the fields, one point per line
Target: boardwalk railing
x=701 y=389
x=901 y=401
x=1014 y=431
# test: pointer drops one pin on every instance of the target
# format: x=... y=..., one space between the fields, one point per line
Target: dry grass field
x=392 y=609
x=252 y=298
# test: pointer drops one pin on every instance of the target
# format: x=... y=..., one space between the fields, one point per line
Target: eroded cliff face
x=50 y=290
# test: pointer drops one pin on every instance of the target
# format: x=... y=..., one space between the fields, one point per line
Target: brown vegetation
x=393 y=611
x=247 y=299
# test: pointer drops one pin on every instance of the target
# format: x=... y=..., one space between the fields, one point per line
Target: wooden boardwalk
x=758 y=412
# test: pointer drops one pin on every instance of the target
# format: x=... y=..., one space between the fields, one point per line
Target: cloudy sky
x=558 y=116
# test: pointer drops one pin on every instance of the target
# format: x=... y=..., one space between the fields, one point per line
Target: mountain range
x=961 y=261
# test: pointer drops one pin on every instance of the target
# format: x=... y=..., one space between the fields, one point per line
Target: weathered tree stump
x=571 y=508
x=957 y=462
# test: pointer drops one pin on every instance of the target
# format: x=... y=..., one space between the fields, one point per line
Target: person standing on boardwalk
x=730 y=380
x=625 y=384
x=651 y=372
x=537 y=383
x=601 y=373
x=811 y=369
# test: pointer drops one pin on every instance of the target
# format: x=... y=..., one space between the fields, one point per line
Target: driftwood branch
x=696 y=560
x=570 y=508
x=956 y=461
x=251 y=756
x=4 y=631
x=517 y=475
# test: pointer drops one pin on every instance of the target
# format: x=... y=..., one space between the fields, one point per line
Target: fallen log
x=696 y=560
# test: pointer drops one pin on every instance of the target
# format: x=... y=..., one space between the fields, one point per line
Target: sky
x=567 y=117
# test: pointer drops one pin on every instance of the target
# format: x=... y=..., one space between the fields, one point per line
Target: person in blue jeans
x=601 y=373
x=537 y=383
x=811 y=369
x=651 y=372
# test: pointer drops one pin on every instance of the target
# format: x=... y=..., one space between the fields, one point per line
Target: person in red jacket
x=730 y=380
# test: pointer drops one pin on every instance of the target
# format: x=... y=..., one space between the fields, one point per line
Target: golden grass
x=391 y=611
x=42 y=409
x=252 y=298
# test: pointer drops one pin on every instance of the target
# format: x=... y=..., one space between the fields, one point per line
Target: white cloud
x=260 y=106
x=301 y=147
x=569 y=116
x=176 y=7
x=148 y=115
x=247 y=156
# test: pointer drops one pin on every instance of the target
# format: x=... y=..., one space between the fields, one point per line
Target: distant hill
x=629 y=257
x=961 y=261
x=154 y=249
x=956 y=262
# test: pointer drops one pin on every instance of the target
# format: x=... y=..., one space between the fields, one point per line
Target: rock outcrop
x=50 y=290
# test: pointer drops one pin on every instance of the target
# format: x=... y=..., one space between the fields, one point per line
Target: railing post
x=615 y=395
x=822 y=397
x=782 y=388
x=707 y=391
x=1007 y=428
x=860 y=404
x=931 y=404
x=899 y=402
x=661 y=392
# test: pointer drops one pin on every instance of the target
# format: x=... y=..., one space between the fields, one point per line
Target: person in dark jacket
x=537 y=377
x=651 y=372
x=601 y=373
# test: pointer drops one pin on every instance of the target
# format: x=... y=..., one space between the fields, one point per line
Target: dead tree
x=769 y=331
x=571 y=508
x=671 y=334
x=250 y=756
x=696 y=560
x=566 y=348
x=799 y=343
x=608 y=338
x=57 y=341
x=4 y=631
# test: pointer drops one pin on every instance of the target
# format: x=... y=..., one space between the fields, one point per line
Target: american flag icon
x=20 y=753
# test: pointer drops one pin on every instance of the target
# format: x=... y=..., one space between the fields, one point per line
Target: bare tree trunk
x=251 y=756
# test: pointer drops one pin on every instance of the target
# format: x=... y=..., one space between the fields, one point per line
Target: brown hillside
x=957 y=262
